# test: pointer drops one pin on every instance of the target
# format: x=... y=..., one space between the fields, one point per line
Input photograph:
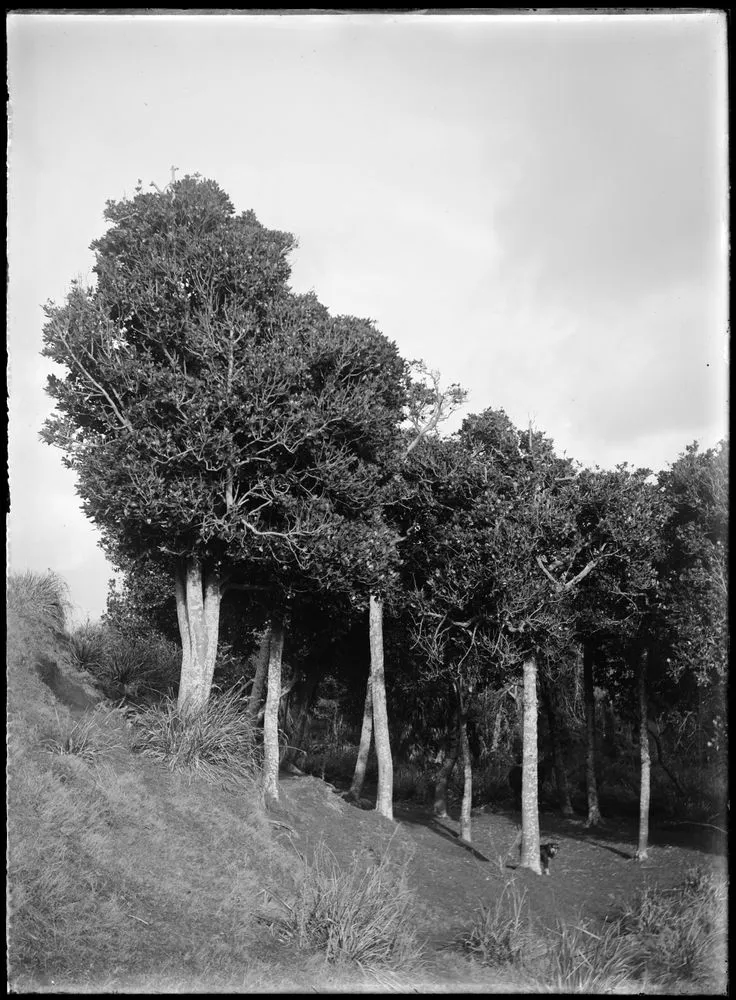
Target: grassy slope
x=126 y=877
x=118 y=868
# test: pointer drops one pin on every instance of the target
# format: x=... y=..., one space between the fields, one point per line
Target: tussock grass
x=582 y=960
x=39 y=598
x=679 y=933
x=664 y=940
x=217 y=742
x=361 y=913
x=500 y=934
x=79 y=741
x=86 y=648
x=84 y=739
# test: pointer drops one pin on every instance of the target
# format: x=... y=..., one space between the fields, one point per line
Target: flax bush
x=500 y=933
x=218 y=742
x=361 y=913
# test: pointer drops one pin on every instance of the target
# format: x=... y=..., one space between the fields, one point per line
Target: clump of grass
x=41 y=598
x=500 y=933
x=579 y=960
x=80 y=741
x=361 y=913
x=665 y=939
x=678 y=933
x=86 y=648
x=124 y=666
x=217 y=742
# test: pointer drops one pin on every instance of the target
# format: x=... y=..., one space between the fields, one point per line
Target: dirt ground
x=591 y=877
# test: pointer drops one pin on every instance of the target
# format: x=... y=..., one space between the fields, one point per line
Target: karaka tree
x=219 y=425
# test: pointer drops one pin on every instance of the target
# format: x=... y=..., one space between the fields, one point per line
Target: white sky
x=534 y=205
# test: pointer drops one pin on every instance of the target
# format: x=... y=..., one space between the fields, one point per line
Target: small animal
x=547 y=851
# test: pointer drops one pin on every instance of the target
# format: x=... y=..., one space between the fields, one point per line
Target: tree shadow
x=435 y=825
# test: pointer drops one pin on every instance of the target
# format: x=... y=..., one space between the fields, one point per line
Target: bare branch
x=122 y=419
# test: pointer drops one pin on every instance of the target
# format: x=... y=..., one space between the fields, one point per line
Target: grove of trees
x=274 y=480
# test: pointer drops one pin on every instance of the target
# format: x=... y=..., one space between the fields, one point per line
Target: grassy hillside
x=141 y=860
x=127 y=874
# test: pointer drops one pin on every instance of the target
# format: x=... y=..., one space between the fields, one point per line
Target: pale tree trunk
x=642 y=850
x=384 y=798
x=364 y=749
x=198 y=598
x=529 y=778
x=271 y=716
x=452 y=752
x=259 y=681
x=591 y=783
x=563 y=789
x=498 y=722
x=465 y=808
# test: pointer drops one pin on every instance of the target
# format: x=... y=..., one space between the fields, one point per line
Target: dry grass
x=42 y=599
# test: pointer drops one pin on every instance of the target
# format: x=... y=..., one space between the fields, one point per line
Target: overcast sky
x=536 y=206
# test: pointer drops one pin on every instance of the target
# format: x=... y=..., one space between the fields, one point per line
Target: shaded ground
x=591 y=877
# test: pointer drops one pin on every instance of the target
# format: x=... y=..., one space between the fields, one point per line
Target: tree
x=620 y=516
x=495 y=560
x=694 y=564
x=219 y=425
x=428 y=406
x=645 y=767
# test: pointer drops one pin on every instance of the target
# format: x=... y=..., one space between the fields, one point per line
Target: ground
x=170 y=858
x=591 y=877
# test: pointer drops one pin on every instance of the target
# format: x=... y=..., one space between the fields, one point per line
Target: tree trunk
x=271 y=716
x=364 y=749
x=498 y=722
x=467 y=803
x=303 y=695
x=594 y=813
x=529 y=777
x=610 y=727
x=384 y=798
x=641 y=853
x=563 y=789
x=259 y=681
x=198 y=598
x=452 y=752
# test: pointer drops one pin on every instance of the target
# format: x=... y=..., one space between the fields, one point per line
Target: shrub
x=125 y=666
x=500 y=933
x=218 y=742
x=361 y=914
x=412 y=783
